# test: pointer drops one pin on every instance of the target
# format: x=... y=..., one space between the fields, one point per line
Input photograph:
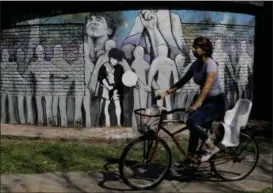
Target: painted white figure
x=165 y=68
x=156 y=23
x=99 y=28
x=243 y=71
x=40 y=68
x=191 y=88
x=183 y=66
x=21 y=85
x=224 y=65
x=141 y=68
x=110 y=75
x=62 y=84
x=81 y=80
x=20 y=60
x=34 y=38
x=33 y=42
x=7 y=90
x=234 y=62
x=180 y=61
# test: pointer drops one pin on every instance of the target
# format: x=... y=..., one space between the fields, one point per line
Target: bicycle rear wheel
x=144 y=148
x=226 y=164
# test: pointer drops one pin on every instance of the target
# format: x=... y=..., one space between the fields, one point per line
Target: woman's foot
x=209 y=154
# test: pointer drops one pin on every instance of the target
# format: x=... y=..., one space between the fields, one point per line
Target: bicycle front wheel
x=238 y=162
x=145 y=162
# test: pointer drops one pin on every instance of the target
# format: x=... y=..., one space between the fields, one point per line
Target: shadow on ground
x=108 y=180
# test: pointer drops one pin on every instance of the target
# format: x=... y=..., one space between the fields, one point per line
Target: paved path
x=108 y=181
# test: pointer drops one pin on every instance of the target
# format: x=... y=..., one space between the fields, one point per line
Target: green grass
x=267 y=190
x=27 y=156
x=41 y=156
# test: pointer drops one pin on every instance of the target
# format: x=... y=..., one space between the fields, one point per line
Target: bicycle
x=150 y=141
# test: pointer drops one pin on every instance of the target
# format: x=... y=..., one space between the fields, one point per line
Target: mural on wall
x=66 y=70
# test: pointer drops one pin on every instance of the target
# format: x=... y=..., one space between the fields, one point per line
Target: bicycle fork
x=150 y=149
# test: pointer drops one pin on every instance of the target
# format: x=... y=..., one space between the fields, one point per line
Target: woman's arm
x=182 y=81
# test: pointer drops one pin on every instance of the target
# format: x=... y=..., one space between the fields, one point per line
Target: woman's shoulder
x=211 y=61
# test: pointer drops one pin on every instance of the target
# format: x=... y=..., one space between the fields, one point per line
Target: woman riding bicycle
x=210 y=104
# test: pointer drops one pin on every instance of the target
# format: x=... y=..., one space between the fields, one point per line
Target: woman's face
x=198 y=51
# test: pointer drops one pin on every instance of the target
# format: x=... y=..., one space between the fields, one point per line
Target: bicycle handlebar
x=175 y=110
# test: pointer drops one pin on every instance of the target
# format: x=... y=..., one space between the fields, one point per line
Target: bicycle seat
x=235 y=120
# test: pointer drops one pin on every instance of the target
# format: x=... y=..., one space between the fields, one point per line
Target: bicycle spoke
x=142 y=174
x=224 y=164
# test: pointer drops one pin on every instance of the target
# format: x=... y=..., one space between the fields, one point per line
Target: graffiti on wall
x=66 y=70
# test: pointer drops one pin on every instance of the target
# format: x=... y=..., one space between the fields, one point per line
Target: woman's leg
x=201 y=116
x=196 y=131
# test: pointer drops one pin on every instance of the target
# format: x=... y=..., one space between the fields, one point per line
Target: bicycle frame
x=171 y=135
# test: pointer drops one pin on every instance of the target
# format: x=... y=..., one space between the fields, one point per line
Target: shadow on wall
x=69 y=75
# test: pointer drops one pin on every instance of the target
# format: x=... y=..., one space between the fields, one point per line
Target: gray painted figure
x=34 y=39
x=244 y=70
x=41 y=69
x=185 y=96
x=191 y=88
x=224 y=64
x=232 y=92
x=165 y=68
x=21 y=86
x=141 y=68
x=80 y=86
x=7 y=91
x=63 y=78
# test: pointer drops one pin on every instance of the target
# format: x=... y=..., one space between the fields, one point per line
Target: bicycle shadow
x=110 y=178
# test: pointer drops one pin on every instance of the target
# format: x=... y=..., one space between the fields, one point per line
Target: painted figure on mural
x=20 y=60
x=63 y=77
x=99 y=27
x=7 y=90
x=141 y=68
x=233 y=91
x=110 y=75
x=190 y=86
x=165 y=67
x=149 y=25
x=179 y=101
x=224 y=66
x=244 y=70
x=21 y=85
x=94 y=84
x=40 y=69
x=81 y=90
x=182 y=65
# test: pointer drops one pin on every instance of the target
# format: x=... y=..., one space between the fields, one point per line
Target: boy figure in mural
x=110 y=75
x=99 y=28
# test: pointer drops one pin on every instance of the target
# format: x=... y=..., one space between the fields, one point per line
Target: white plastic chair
x=235 y=120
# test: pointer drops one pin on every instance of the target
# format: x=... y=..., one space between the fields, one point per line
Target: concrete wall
x=50 y=66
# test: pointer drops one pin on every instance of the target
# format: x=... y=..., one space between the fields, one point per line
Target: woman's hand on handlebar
x=161 y=95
